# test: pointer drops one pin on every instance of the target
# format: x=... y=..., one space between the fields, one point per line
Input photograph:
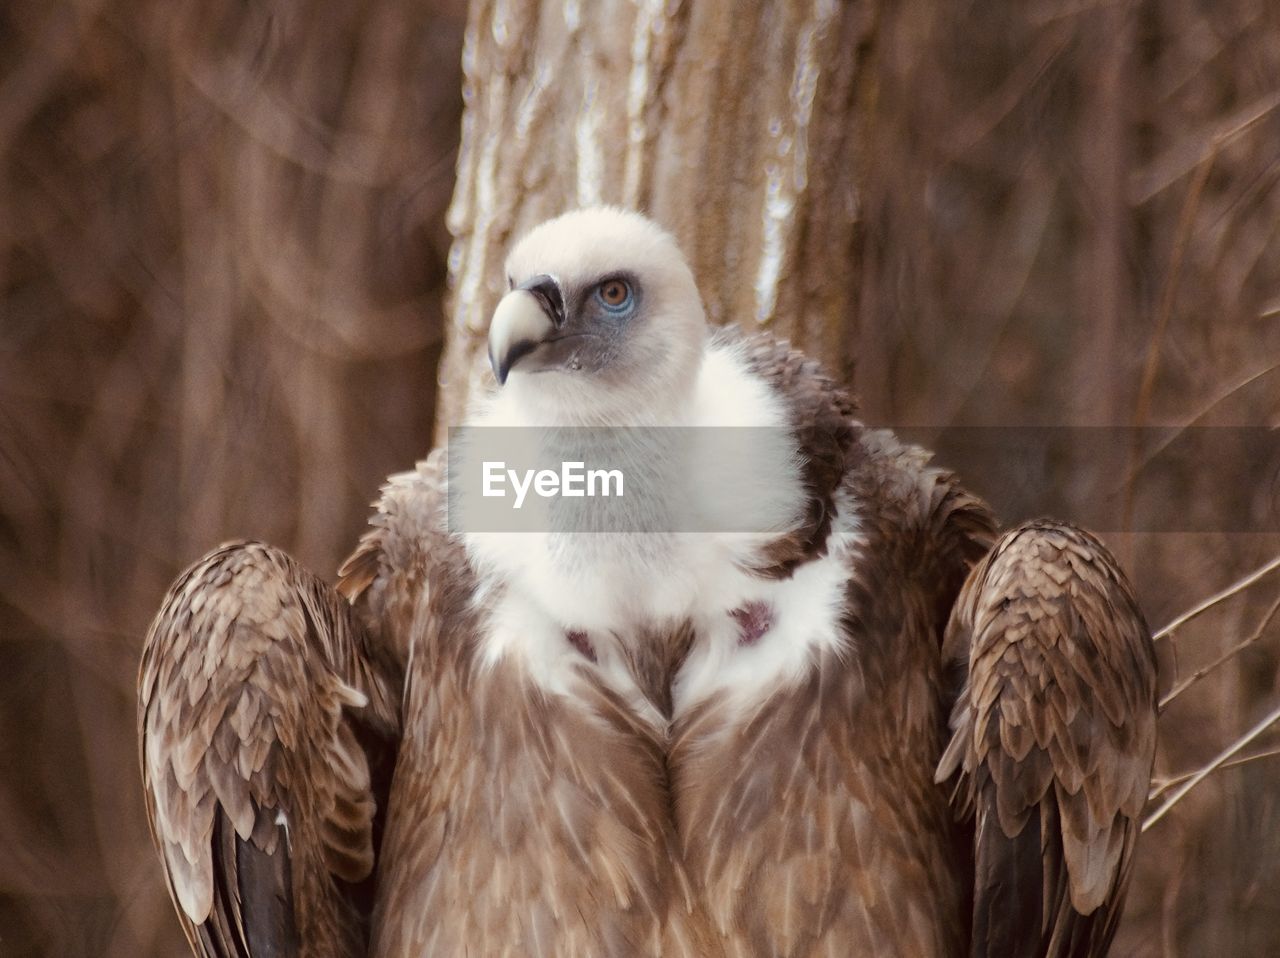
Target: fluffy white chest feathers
x=757 y=635
x=557 y=600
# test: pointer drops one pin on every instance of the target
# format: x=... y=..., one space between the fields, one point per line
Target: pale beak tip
x=500 y=370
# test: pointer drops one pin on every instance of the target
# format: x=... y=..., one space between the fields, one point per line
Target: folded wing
x=267 y=731
x=1053 y=739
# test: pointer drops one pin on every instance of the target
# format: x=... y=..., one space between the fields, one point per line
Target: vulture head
x=602 y=314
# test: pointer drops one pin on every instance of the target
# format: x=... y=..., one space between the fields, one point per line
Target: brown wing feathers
x=1054 y=736
x=259 y=708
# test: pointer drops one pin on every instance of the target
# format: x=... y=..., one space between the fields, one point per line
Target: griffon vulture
x=872 y=728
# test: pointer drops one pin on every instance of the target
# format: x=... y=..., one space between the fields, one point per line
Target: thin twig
x=1218 y=761
x=1160 y=788
x=1231 y=653
x=1233 y=589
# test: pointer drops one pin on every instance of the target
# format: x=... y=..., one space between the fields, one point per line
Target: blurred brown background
x=223 y=266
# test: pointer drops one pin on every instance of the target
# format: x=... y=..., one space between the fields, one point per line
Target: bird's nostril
x=547 y=292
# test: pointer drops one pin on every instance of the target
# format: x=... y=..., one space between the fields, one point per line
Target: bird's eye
x=614 y=295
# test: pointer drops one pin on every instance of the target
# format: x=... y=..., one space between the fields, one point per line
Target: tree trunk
x=736 y=126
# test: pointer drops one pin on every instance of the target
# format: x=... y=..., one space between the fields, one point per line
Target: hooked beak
x=525 y=319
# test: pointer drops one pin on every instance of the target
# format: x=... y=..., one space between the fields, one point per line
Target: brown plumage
x=1054 y=735
x=563 y=789
x=263 y=716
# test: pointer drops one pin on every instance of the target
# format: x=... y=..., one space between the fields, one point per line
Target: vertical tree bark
x=737 y=126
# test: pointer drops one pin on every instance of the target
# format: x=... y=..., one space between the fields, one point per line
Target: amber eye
x=614 y=295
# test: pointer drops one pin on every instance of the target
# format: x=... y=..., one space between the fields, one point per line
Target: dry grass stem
x=1161 y=785
x=1217 y=762
x=1225 y=657
x=1240 y=585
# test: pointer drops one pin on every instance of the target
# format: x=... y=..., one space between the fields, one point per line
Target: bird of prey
x=869 y=725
